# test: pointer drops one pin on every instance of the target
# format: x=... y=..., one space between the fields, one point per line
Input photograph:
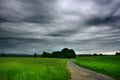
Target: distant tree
x=64 y=53
x=100 y=54
x=117 y=53
x=56 y=54
x=71 y=54
x=35 y=54
x=45 y=54
x=3 y=55
x=68 y=53
x=95 y=54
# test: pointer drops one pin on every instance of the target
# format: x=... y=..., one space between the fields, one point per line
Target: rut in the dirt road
x=79 y=73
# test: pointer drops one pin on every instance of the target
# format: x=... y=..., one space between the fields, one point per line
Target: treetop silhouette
x=64 y=53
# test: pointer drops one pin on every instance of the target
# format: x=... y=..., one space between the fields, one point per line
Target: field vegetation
x=33 y=69
x=109 y=65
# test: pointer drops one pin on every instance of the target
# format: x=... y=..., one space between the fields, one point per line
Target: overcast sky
x=87 y=26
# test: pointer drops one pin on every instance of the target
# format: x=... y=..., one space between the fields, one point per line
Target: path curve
x=79 y=73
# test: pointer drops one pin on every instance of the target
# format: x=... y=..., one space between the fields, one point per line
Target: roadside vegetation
x=33 y=69
x=109 y=65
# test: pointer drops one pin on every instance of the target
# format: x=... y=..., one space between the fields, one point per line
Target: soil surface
x=79 y=73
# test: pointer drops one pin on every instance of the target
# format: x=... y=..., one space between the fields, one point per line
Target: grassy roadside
x=33 y=69
x=109 y=65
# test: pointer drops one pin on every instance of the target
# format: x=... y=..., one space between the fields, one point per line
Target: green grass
x=33 y=69
x=109 y=65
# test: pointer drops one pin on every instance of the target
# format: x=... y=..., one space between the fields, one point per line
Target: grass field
x=109 y=65
x=33 y=69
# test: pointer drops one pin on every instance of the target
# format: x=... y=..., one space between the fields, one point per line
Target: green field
x=33 y=69
x=109 y=65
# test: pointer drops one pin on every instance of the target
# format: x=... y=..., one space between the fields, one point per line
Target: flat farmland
x=33 y=69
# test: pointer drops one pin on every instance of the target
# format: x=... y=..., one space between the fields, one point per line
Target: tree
x=100 y=54
x=45 y=54
x=72 y=53
x=117 y=53
x=95 y=54
x=56 y=54
x=68 y=53
x=64 y=53
x=35 y=54
x=3 y=55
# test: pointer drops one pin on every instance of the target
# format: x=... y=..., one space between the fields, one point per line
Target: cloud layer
x=88 y=26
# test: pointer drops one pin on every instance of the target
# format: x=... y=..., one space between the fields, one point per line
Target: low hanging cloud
x=88 y=26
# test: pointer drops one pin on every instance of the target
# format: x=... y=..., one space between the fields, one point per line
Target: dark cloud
x=28 y=26
x=27 y=10
x=39 y=19
x=103 y=21
x=22 y=45
x=63 y=33
x=103 y=2
x=3 y=20
x=111 y=16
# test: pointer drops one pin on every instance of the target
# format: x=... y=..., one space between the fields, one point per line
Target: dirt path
x=79 y=73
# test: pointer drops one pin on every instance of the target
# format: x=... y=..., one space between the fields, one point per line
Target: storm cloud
x=88 y=26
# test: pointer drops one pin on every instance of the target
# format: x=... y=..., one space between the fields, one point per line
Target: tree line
x=64 y=53
x=117 y=53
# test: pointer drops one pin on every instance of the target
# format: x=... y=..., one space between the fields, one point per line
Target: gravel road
x=79 y=73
